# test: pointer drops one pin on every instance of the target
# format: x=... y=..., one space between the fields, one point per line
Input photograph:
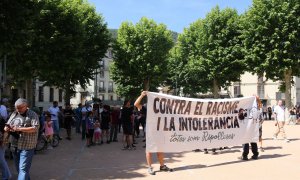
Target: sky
x=175 y=14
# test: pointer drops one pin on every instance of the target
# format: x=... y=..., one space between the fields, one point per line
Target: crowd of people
x=99 y=124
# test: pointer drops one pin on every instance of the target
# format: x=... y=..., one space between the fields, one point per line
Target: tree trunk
x=29 y=92
x=260 y=87
x=288 y=84
x=146 y=84
x=68 y=93
x=216 y=89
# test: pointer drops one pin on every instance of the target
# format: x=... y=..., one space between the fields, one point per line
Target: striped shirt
x=26 y=140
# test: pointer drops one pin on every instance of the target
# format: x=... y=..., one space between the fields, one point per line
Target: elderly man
x=23 y=125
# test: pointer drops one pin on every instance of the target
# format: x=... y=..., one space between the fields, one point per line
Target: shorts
x=90 y=133
x=127 y=129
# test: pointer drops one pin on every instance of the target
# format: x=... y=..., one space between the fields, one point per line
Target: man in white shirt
x=279 y=111
x=54 y=110
x=84 y=111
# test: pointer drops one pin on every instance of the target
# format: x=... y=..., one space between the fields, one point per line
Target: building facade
x=267 y=90
x=45 y=95
x=102 y=87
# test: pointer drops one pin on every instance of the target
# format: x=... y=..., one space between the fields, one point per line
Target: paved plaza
x=74 y=161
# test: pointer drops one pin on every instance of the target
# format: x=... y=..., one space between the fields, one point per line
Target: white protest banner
x=176 y=124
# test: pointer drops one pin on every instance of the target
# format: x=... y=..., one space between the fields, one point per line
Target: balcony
x=102 y=89
x=110 y=90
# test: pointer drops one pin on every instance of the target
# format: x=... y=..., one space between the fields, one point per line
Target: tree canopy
x=67 y=42
x=140 y=56
x=208 y=55
x=271 y=34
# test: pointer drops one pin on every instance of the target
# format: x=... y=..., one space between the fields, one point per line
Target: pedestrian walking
x=24 y=125
x=279 y=112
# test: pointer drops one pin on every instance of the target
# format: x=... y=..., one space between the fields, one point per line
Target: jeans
x=3 y=164
x=113 y=132
x=78 y=124
x=253 y=149
x=55 y=125
x=23 y=159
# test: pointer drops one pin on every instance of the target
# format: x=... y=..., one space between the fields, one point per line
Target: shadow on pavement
x=189 y=167
x=272 y=147
x=241 y=161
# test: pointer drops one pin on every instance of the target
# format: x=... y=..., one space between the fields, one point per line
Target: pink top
x=48 y=128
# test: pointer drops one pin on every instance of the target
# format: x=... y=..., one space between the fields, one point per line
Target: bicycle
x=42 y=142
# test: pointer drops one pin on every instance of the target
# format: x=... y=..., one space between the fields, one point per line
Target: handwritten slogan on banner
x=176 y=124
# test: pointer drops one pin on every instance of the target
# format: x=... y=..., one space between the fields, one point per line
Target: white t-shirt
x=84 y=110
x=280 y=113
x=54 y=113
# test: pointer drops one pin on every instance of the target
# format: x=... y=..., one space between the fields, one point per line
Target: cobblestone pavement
x=74 y=161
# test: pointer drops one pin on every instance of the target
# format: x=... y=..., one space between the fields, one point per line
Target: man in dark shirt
x=68 y=119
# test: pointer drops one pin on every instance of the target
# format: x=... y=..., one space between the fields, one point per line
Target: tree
x=209 y=53
x=16 y=21
x=271 y=39
x=77 y=41
x=140 y=56
x=69 y=40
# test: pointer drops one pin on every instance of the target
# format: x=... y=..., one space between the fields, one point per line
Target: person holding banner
x=254 y=148
x=160 y=155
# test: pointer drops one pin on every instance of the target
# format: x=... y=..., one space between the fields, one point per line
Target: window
x=110 y=87
x=51 y=95
x=101 y=63
x=111 y=98
x=101 y=86
x=119 y=98
x=41 y=94
x=101 y=97
x=110 y=54
x=237 y=91
x=101 y=74
x=24 y=93
x=60 y=95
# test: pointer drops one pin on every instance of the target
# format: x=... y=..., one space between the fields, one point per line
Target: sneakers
x=274 y=137
x=49 y=147
x=262 y=149
x=150 y=171
x=243 y=158
x=125 y=148
x=131 y=148
x=254 y=157
x=165 y=168
x=286 y=140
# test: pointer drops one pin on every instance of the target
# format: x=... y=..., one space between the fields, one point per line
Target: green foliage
x=209 y=53
x=16 y=22
x=140 y=56
x=271 y=37
x=67 y=39
x=114 y=34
